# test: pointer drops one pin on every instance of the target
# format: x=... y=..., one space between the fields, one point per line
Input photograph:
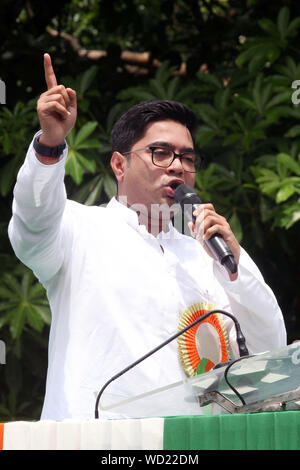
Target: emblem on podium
x=205 y=344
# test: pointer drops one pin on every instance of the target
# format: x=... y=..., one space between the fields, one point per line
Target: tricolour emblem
x=205 y=344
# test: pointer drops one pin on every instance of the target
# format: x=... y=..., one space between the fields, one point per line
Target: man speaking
x=120 y=280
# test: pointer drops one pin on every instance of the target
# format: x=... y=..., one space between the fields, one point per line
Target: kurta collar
x=131 y=217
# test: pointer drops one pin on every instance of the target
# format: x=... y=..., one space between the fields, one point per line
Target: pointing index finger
x=49 y=72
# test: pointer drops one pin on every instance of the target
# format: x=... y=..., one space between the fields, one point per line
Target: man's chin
x=166 y=209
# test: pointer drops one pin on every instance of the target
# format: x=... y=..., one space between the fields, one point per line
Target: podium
x=268 y=381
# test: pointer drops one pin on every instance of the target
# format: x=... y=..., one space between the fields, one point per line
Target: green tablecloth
x=249 y=431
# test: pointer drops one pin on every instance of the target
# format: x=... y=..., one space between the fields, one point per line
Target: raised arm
x=36 y=230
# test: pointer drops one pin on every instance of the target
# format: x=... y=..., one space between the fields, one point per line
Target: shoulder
x=80 y=213
x=78 y=207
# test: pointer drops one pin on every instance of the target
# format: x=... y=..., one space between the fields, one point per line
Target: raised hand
x=57 y=109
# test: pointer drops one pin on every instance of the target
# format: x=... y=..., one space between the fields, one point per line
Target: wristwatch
x=46 y=151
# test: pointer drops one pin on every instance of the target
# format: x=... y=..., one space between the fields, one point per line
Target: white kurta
x=115 y=294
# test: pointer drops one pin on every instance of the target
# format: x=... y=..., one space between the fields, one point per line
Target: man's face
x=144 y=183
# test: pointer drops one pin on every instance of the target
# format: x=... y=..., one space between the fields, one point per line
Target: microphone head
x=184 y=194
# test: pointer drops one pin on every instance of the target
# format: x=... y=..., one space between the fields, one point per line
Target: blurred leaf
x=24 y=303
x=293 y=132
x=84 y=132
x=291 y=215
x=78 y=164
x=110 y=186
x=284 y=193
x=236 y=226
x=73 y=167
x=289 y=162
x=268 y=25
x=283 y=21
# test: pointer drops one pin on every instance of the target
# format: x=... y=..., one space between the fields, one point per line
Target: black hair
x=132 y=125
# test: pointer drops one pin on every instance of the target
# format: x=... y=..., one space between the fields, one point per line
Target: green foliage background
x=241 y=60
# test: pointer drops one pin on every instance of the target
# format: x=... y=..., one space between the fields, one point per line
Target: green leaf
x=89 y=144
x=5 y=292
x=293 y=131
x=247 y=102
x=172 y=88
x=236 y=226
x=84 y=132
x=17 y=321
x=157 y=89
x=240 y=121
x=74 y=167
x=87 y=78
x=268 y=25
x=222 y=98
x=110 y=186
x=4 y=319
x=44 y=312
x=270 y=187
x=283 y=21
x=293 y=27
x=261 y=93
x=25 y=284
x=257 y=62
x=295 y=218
x=94 y=194
x=232 y=138
x=71 y=138
x=204 y=135
x=290 y=215
x=283 y=97
x=210 y=78
x=86 y=163
x=36 y=291
x=209 y=115
x=33 y=318
x=285 y=193
x=289 y=162
x=249 y=53
x=12 y=282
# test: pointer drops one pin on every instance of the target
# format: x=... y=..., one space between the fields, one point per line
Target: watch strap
x=46 y=151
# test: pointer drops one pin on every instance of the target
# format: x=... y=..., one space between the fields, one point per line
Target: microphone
x=189 y=201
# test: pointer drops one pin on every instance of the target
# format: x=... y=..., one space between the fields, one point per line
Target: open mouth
x=170 y=188
x=175 y=184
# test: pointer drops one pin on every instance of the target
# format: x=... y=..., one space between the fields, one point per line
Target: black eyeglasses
x=164 y=157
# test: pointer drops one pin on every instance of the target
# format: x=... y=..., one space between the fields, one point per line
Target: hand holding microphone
x=210 y=228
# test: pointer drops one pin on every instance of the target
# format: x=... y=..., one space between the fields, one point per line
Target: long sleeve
x=38 y=206
x=254 y=305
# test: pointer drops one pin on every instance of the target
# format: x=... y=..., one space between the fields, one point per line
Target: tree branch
x=136 y=62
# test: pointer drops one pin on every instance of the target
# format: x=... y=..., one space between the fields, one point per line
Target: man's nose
x=176 y=166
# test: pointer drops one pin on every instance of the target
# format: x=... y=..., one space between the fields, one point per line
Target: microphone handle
x=220 y=249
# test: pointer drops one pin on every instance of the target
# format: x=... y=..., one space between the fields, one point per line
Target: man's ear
x=119 y=164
